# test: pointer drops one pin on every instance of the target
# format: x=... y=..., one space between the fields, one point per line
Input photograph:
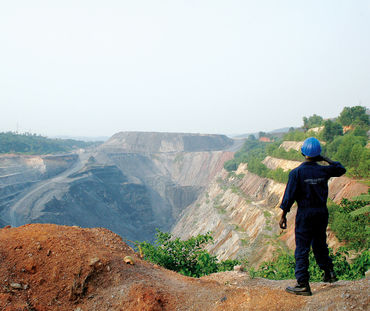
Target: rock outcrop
x=274 y=163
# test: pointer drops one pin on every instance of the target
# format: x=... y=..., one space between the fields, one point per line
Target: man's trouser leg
x=319 y=246
x=303 y=239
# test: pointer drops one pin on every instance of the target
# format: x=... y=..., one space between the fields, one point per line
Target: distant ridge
x=149 y=142
x=83 y=138
x=277 y=131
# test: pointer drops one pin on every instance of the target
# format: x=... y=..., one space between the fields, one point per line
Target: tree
x=262 y=134
x=331 y=130
x=354 y=116
x=364 y=163
x=342 y=148
x=312 y=121
x=355 y=155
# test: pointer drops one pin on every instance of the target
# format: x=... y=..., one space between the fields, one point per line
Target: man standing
x=308 y=186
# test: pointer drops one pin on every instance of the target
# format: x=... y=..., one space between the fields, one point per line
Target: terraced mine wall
x=18 y=173
x=134 y=183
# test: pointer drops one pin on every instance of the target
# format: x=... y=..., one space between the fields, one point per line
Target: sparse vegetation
x=282 y=268
x=275 y=151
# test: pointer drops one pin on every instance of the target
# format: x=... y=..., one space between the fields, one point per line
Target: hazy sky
x=93 y=68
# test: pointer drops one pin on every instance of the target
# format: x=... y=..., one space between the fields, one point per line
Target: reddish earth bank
x=51 y=267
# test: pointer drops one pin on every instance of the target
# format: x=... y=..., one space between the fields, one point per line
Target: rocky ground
x=50 y=267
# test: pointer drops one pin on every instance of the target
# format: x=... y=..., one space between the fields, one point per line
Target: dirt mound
x=50 y=267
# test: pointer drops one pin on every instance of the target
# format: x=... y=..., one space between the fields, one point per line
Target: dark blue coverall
x=308 y=186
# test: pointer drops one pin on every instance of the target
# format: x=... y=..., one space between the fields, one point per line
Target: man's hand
x=283 y=222
x=322 y=158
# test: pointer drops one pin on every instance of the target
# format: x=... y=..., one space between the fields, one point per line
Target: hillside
x=50 y=267
x=242 y=211
x=241 y=205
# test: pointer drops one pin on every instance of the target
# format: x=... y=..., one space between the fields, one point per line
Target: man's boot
x=300 y=289
x=329 y=276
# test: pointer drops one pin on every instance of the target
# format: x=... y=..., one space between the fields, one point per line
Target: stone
x=367 y=274
x=16 y=285
x=93 y=261
x=30 y=266
x=239 y=268
x=129 y=260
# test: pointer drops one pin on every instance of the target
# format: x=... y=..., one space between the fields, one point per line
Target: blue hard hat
x=311 y=147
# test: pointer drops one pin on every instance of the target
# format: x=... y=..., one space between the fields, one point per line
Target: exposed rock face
x=241 y=213
x=274 y=163
x=296 y=145
x=132 y=184
x=345 y=187
x=242 y=210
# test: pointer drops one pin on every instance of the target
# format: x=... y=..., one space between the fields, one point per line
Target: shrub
x=282 y=268
x=350 y=222
x=187 y=257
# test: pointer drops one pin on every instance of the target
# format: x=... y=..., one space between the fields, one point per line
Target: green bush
x=256 y=167
x=292 y=154
x=282 y=268
x=275 y=151
x=296 y=135
x=351 y=222
x=187 y=257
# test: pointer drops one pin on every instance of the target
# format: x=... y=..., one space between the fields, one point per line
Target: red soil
x=50 y=267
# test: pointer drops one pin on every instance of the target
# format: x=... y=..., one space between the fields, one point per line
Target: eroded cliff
x=242 y=210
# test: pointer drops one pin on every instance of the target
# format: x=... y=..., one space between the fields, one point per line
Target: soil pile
x=51 y=267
